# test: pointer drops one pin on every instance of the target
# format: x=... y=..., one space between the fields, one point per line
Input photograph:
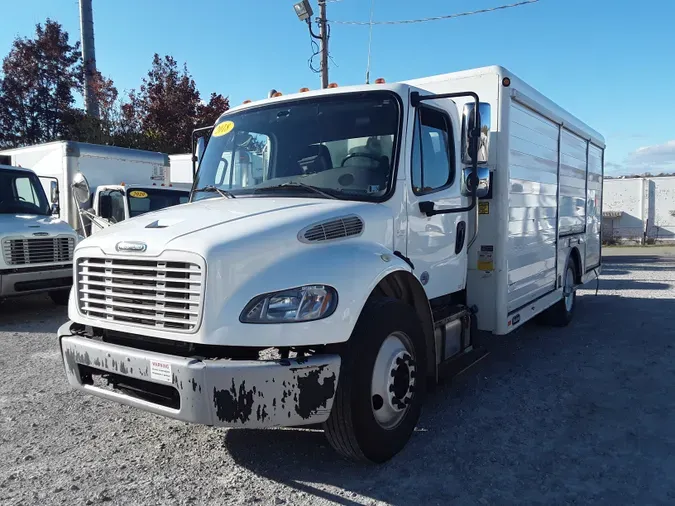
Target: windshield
x=344 y=145
x=152 y=199
x=22 y=193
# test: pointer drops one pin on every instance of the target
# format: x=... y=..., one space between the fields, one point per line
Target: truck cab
x=37 y=247
x=391 y=227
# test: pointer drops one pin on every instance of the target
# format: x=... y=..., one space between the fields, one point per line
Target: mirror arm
x=427 y=207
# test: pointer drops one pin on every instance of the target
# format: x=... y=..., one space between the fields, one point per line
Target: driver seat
x=315 y=158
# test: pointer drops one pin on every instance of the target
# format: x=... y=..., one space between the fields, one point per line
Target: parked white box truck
x=394 y=224
x=124 y=182
x=36 y=247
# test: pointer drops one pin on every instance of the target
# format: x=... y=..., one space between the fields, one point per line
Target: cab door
x=436 y=245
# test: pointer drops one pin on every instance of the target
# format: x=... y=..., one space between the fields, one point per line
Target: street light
x=303 y=10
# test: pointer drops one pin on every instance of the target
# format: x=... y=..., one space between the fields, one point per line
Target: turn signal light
x=379 y=80
x=247 y=101
x=333 y=85
x=303 y=90
x=276 y=94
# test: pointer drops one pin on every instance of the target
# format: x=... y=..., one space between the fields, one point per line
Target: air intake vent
x=336 y=228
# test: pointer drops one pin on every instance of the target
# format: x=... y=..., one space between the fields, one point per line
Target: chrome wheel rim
x=568 y=290
x=393 y=382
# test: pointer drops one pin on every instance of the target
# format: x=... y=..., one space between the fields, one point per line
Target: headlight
x=302 y=304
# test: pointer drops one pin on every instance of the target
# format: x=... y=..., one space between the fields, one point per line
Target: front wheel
x=382 y=383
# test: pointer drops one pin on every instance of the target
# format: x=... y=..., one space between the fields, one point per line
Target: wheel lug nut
x=399 y=360
x=391 y=388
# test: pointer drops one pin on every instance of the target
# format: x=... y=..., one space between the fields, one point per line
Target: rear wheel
x=382 y=382
x=60 y=297
x=561 y=314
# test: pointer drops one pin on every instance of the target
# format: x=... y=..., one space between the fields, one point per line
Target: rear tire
x=60 y=297
x=562 y=312
x=382 y=383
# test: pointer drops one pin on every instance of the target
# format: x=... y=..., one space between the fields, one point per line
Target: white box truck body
x=108 y=170
x=36 y=248
x=394 y=226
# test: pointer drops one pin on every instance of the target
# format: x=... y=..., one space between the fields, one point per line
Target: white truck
x=36 y=247
x=394 y=225
x=124 y=182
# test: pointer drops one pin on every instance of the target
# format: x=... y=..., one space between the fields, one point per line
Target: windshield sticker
x=223 y=129
x=373 y=188
x=138 y=194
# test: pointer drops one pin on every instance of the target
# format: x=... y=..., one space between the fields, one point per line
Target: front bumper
x=23 y=281
x=227 y=393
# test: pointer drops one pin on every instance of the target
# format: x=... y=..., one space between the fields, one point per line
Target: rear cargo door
x=533 y=186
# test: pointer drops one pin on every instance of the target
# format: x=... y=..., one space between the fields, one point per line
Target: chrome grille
x=334 y=229
x=38 y=250
x=147 y=293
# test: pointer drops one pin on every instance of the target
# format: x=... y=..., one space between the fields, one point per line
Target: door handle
x=459 y=238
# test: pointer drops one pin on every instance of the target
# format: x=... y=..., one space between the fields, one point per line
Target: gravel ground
x=552 y=416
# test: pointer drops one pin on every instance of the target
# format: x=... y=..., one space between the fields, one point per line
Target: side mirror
x=483 y=182
x=80 y=187
x=54 y=192
x=201 y=146
x=483 y=142
x=105 y=206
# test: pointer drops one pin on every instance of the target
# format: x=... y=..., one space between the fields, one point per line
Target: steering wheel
x=364 y=155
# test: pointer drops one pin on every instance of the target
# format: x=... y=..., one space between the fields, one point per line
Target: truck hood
x=30 y=225
x=207 y=224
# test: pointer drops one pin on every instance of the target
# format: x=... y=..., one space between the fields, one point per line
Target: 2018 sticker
x=223 y=128
x=138 y=194
x=483 y=208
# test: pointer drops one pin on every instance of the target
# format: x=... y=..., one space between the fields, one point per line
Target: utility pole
x=88 y=57
x=303 y=10
x=323 y=33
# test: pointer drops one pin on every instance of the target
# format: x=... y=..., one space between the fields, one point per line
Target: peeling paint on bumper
x=227 y=393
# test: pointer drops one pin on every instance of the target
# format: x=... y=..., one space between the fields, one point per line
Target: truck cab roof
x=18 y=169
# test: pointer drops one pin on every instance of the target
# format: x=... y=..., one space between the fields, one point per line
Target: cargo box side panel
x=533 y=186
x=594 y=206
x=572 y=183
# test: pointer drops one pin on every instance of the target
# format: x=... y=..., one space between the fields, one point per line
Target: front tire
x=382 y=383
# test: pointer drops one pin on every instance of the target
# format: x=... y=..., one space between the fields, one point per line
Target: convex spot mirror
x=80 y=187
x=483 y=182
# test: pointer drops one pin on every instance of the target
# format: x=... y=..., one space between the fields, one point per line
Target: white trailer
x=394 y=226
x=110 y=171
x=248 y=167
x=181 y=170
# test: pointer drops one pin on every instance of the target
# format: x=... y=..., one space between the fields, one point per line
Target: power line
x=435 y=18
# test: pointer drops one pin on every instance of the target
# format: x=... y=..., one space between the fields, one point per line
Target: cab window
x=433 y=158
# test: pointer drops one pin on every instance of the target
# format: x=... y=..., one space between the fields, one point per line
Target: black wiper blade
x=295 y=184
x=223 y=193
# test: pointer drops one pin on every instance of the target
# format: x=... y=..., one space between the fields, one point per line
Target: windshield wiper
x=295 y=184
x=221 y=192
